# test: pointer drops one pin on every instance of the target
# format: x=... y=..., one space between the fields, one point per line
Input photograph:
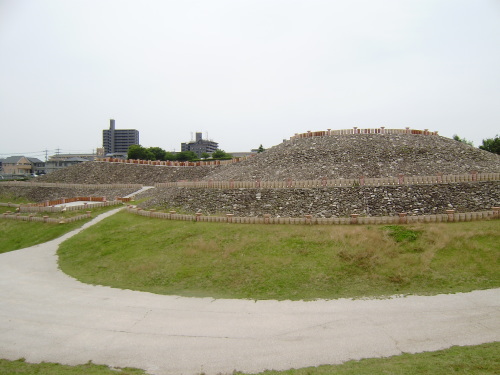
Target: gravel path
x=46 y=315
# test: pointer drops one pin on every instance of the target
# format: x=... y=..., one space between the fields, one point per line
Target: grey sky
x=248 y=72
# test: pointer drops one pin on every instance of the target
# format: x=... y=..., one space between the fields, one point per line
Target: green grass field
x=284 y=262
x=467 y=360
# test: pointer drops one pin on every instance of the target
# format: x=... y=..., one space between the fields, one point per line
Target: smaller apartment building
x=60 y=161
x=55 y=163
x=200 y=146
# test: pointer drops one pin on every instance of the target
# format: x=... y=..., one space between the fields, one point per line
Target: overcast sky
x=247 y=72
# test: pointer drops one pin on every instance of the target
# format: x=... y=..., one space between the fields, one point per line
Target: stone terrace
x=329 y=202
x=114 y=173
x=41 y=194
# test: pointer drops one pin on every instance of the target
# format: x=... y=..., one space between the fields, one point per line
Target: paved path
x=141 y=190
x=46 y=315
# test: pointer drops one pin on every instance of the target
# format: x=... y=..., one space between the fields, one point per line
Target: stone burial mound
x=239 y=188
x=348 y=157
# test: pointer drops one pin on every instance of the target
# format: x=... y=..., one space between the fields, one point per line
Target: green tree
x=139 y=152
x=221 y=154
x=170 y=156
x=205 y=155
x=186 y=156
x=491 y=145
x=463 y=140
x=261 y=149
x=158 y=152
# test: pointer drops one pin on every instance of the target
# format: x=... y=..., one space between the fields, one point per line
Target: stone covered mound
x=329 y=157
x=369 y=155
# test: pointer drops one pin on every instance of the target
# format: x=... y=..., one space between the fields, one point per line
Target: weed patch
x=402 y=234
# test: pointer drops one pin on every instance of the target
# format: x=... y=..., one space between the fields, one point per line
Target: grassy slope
x=469 y=360
x=283 y=262
x=16 y=235
x=482 y=359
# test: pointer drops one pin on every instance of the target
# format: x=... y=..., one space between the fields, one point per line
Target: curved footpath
x=46 y=315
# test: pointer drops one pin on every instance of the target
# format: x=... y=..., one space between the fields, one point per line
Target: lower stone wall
x=44 y=219
x=297 y=202
x=41 y=194
x=329 y=202
x=450 y=216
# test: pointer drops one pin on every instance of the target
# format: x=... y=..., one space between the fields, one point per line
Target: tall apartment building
x=117 y=141
x=200 y=145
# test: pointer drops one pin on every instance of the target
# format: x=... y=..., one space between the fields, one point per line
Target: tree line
x=157 y=153
x=489 y=144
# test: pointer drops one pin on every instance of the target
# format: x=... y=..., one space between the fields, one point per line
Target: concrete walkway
x=143 y=189
x=46 y=315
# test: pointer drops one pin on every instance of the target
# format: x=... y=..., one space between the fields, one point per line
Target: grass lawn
x=467 y=360
x=284 y=262
x=20 y=234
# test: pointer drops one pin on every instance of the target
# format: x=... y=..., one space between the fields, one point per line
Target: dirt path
x=46 y=315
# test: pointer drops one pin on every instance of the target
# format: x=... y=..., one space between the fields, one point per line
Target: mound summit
x=368 y=155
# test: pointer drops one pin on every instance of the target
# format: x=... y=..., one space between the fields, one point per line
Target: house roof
x=12 y=159
x=34 y=160
x=15 y=160
x=77 y=159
